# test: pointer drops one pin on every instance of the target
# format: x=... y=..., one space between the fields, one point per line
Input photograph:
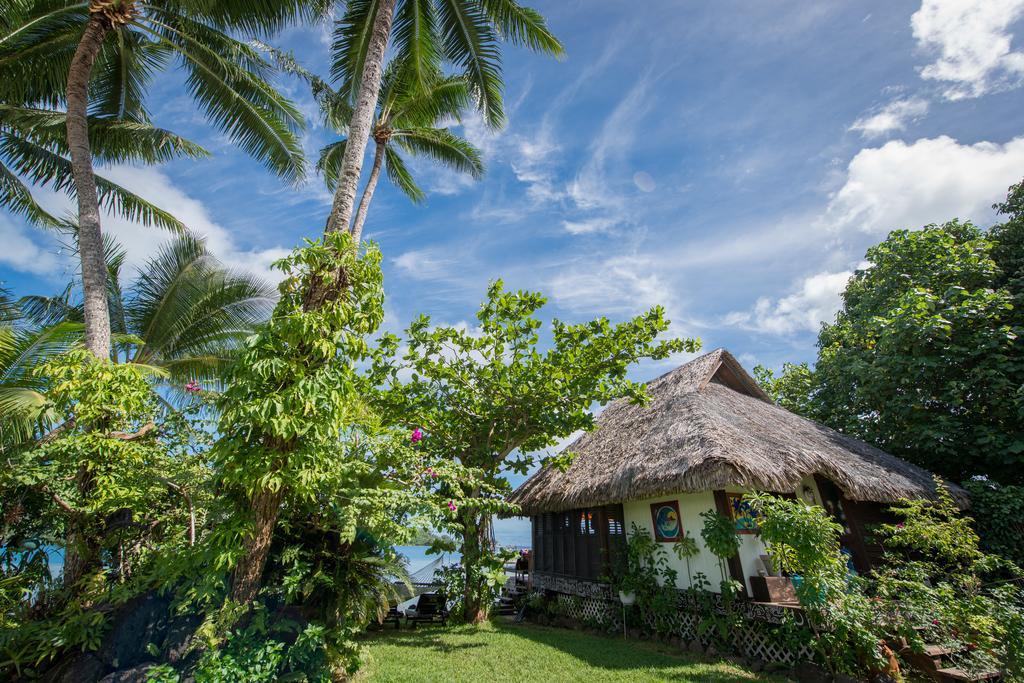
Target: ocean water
x=416 y=557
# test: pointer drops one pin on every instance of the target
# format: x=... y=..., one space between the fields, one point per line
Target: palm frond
x=417 y=41
x=44 y=167
x=440 y=99
x=37 y=41
x=260 y=18
x=329 y=164
x=112 y=140
x=226 y=78
x=522 y=26
x=444 y=147
x=470 y=42
x=46 y=311
x=399 y=174
x=123 y=71
x=186 y=306
x=336 y=110
x=351 y=42
x=18 y=199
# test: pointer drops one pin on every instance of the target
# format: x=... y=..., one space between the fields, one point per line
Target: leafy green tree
x=427 y=34
x=184 y=313
x=792 y=389
x=99 y=57
x=924 y=360
x=488 y=399
x=292 y=394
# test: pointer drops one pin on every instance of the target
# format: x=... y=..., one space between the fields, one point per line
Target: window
x=578 y=542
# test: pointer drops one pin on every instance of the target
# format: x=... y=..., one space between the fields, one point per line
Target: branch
x=135 y=436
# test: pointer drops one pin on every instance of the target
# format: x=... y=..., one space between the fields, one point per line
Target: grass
x=501 y=651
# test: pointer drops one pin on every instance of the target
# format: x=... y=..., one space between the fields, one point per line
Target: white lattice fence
x=758 y=635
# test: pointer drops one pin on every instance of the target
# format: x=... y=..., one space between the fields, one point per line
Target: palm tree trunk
x=90 y=236
x=362 y=119
x=371 y=185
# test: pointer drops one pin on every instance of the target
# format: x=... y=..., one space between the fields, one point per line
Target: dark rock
x=843 y=678
x=756 y=665
x=83 y=667
x=712 y=651
x=806 y=672
x=180 y=635
x=136 y=674
x=138 y=623
x=695 y=647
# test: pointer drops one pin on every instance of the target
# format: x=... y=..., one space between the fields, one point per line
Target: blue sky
x=730 y=161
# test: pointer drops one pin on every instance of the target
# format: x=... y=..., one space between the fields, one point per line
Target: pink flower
x=900 y=525
x=935 y=622
x=193 y=387
x=451 y=505
x=417 y=435
x=430 y=472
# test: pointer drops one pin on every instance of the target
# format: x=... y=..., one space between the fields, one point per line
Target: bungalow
x=708 y=436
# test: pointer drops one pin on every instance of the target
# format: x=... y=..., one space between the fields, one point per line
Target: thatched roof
x=708 y=426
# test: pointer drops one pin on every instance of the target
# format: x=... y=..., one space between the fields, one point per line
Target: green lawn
x=525 y=652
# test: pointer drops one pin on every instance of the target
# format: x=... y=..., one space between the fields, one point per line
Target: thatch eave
x=708 y=426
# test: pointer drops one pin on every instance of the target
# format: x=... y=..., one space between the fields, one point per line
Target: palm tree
x=99 y=56
x=185 y=314
x=409 y=114
x=463 y=33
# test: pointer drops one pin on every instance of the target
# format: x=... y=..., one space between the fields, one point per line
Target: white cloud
x=892 y=117
x=621 y=285
x=22 y=251
x=590 y=225
x=159 y=189
x=424 y=264
x=972 y=42
x=815 y=300
x=140 y=242
x=932 y=180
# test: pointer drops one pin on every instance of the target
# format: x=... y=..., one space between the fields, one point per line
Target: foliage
x=643 y=569
x=487 y=399
x=300 y=444
x=117 y=480
x=24 y=412
x=226 y=75
x=939 y=587
x=428 y=35
x=924 y=358
x=804 y=540
x=998 y=512
x=792 y=389
x=685 y=548
x=720 y=537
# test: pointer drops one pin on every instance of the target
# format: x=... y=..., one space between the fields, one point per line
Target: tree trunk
x=90 y=236
x=265 y=505
x=81 y=551
x=474 y=610
x=362 y=119
x=371 y=185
